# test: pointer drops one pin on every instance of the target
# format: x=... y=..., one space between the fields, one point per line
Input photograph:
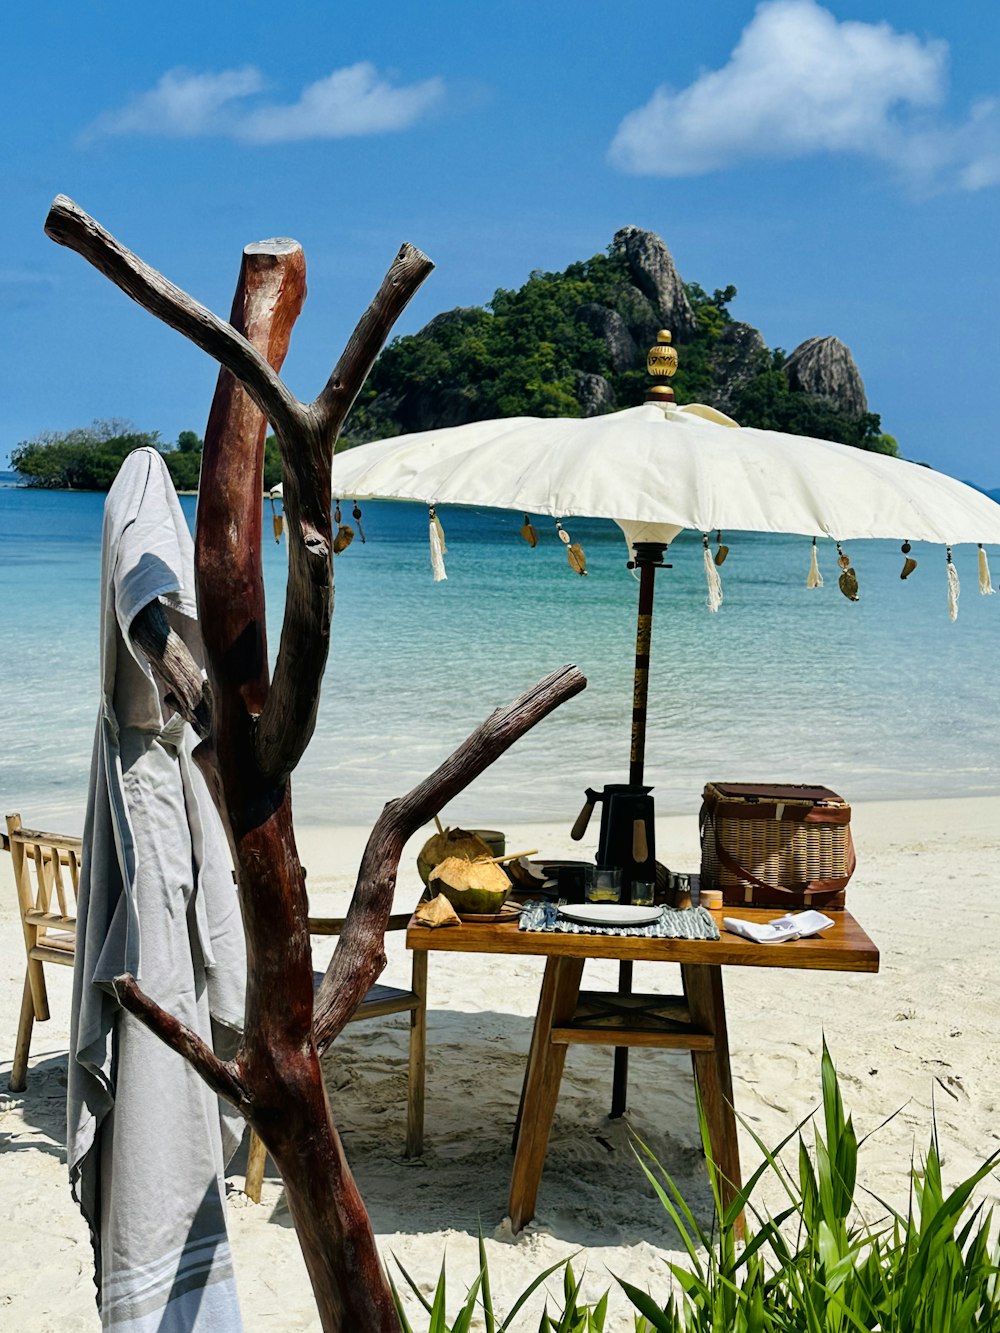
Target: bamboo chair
x=47 y=876
x=379 y=1001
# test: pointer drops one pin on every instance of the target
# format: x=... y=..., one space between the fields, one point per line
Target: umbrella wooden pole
x=647 y=562
x=648 y=558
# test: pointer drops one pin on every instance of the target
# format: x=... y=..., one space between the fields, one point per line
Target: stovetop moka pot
x=627 y=838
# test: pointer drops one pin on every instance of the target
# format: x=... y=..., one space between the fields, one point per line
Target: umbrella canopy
x=673 y=468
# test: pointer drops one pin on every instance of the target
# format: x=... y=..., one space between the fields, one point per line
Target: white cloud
x=353 y=101
x=184 y=105
x=799 y=82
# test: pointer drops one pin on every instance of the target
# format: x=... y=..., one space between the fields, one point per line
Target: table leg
x=556 y=1006
x=619 y=1084
x=706 y=1002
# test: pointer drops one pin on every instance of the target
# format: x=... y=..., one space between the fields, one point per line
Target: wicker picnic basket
x=776 y=845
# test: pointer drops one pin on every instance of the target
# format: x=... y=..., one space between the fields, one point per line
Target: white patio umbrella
x=658 y=469
x=672 y=468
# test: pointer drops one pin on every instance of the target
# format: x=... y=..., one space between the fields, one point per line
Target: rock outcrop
x=609 y=325
x=825 y=368
x=594 y=394
x=656 y=278
x=738 y=356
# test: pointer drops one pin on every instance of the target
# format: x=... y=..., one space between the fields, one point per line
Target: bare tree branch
x=360 y=955
x=220 y=1075
x=173 y=665
x=287 y=723
x=407 y=272
x=69 y=225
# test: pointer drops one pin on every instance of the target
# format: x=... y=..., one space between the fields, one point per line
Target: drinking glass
x=603 y=884
x=642 y=892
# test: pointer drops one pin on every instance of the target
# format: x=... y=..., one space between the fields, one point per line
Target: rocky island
x=574 y=344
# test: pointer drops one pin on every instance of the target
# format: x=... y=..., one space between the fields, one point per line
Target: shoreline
x=910 y=1039
x=879 y=823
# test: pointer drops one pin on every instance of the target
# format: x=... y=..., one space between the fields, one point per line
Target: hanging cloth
x=147 y=1140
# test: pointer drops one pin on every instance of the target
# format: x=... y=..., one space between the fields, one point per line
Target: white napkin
x=794 y=926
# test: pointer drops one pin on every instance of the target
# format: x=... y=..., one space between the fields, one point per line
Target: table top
x=844 y=947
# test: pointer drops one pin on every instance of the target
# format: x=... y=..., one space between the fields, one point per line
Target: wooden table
x=694 y=1020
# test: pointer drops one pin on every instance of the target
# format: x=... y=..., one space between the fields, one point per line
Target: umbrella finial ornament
x=661 y=362
x=529 y=532
x=722 y=551
x=953 y=586
x=814 y=579
x=909 y=564
x=712 y=576
x=985 y=586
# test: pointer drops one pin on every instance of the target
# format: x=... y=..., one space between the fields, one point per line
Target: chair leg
x=256 y=1161
x=418 y=1059
x=19 y=1069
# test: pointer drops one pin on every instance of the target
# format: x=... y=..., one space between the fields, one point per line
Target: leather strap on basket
x=812 y=887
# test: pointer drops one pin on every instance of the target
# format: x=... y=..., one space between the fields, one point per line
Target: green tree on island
x=88 y=458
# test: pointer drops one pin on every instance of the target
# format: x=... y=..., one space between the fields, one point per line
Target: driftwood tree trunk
x=256 y=731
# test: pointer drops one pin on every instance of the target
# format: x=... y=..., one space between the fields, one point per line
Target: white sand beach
x=918 y=1038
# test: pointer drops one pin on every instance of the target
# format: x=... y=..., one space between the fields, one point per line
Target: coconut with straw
x=473 y=888
x=449 y=842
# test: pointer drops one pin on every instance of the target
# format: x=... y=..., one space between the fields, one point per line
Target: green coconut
x=450 y=842
x=474 y=888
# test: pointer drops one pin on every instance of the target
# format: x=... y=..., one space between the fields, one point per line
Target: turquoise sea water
x=882 y=699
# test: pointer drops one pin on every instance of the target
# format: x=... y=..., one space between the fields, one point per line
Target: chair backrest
x=333 y=925
x=47 y=876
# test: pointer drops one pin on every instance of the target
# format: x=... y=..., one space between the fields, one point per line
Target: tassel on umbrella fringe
x=438 y=546
x=712 y=576
x=985 y=586
x=953 y=588
x=814 y=578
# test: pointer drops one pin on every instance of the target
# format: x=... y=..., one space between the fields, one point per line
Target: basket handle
x=832 y=885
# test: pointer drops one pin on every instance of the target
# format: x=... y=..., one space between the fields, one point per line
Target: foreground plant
x=933 y=1269
x=816 y=1265
x=574 y=1317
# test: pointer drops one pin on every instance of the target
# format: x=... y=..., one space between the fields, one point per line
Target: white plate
x=610 y=914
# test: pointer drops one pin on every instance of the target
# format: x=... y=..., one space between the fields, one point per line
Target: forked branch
x=69 y=225
x=220 y=1075
x=289 y=717
x=407 y=272
x=360 y=956
x=172 y=664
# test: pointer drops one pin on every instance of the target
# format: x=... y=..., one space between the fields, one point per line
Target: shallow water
x=881 y=699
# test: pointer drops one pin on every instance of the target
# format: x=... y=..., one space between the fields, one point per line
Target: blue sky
x=839 y=164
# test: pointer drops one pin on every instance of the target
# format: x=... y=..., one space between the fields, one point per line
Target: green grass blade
x=489 y=1323
x=404 y=1323
x=530 y=1289
x=413 y=1286
x=647 y=1307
